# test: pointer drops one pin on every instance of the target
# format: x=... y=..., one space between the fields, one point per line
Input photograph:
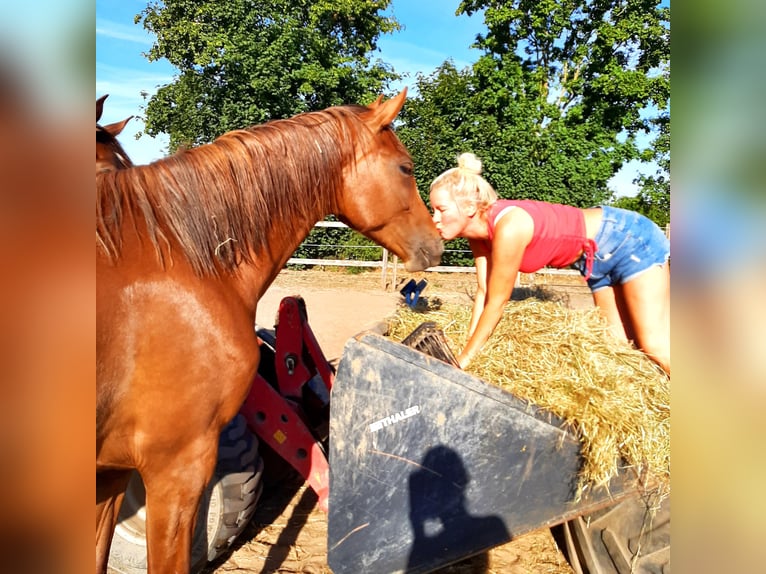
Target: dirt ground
x=340 y=304
x=288 y=533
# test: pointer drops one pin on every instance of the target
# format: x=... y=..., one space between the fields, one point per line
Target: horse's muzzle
x=425 y=257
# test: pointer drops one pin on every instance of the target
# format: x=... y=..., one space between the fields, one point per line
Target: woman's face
x=448 y=217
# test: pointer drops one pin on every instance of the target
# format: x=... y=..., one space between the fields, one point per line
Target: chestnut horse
x=186 y=246
x=109 y=152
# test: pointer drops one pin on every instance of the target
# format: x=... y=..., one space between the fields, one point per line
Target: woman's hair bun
x=469 y=162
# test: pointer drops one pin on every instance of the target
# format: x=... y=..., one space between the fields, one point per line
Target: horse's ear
x=384 y=113
x=117 y=127
x=100 y=106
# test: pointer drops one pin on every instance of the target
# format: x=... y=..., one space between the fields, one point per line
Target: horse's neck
x=253 y=279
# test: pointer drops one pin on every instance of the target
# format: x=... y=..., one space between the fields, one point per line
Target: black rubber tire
x=621 y=539
x=228 y=504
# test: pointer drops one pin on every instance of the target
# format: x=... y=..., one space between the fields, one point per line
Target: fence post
x=396 y=265
x=384 y=268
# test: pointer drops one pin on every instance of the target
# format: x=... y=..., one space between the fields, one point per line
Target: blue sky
x=431 y=34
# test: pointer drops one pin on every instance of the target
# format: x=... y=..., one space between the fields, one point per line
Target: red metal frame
x=274 y=413
x=294 y=336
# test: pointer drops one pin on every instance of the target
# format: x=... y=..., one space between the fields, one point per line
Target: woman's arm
x=482 y=256
x=512 y=234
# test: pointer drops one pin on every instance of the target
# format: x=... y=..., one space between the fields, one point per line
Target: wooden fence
x=389 y=263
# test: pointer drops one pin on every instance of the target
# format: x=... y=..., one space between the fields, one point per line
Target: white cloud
x=410 y=59
x=127 y=82
x=118 y=31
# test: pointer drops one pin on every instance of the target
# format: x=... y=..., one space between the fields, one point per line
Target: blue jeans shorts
x=628 y=244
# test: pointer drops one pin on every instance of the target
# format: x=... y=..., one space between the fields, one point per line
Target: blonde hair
x=466 y=184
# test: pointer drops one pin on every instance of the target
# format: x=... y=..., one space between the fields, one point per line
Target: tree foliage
x=653 y=198
x=242 y=62
x=557 y=102
x=561 y=97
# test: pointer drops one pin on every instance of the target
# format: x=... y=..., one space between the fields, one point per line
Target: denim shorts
x=628 y=244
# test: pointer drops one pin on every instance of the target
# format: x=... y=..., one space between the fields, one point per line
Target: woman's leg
x=607 y=302
x=631 y=278
x=647 y=302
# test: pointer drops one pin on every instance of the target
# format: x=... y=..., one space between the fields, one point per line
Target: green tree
x=435 y=123
x=653 y=198
x=555 y=104
x=242 y=62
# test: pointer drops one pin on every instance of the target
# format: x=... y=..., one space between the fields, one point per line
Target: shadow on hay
x=539 y=292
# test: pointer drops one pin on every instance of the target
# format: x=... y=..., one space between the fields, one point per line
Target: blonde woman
x=622 y=255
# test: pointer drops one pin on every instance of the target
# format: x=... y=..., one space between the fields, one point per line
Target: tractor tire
x=626 y=538
x=227 y=505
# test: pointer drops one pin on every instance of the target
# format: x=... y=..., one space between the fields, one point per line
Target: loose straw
x=567 y=362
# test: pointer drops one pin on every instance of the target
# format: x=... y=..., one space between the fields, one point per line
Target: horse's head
x=380 y=198
x=109 y=152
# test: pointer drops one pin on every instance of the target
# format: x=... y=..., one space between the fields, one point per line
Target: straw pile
x=566 y=362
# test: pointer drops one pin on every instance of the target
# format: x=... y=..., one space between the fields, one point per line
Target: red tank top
x=559 y=236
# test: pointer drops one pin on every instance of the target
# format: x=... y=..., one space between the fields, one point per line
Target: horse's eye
x=406 y=169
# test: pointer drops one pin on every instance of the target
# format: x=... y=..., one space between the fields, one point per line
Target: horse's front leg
x=110 y=490
x=174 y=487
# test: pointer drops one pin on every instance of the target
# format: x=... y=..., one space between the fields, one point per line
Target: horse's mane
x=217 y=202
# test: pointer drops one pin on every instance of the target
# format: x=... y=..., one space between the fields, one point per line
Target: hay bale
x=567 y=362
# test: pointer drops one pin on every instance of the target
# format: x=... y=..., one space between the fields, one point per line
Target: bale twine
x=567 y=362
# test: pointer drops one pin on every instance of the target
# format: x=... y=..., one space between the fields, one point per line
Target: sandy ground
x=340 y=305
x=288 y=532
x=336 y=310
